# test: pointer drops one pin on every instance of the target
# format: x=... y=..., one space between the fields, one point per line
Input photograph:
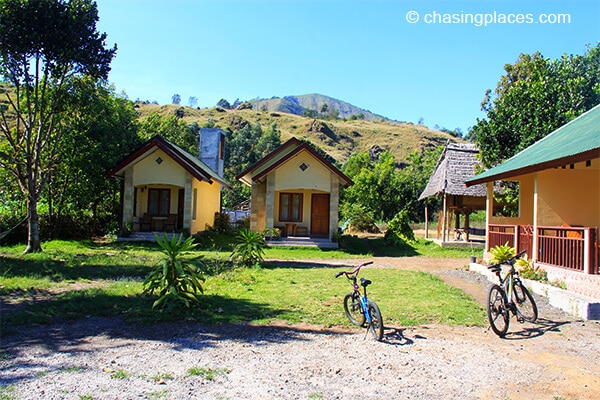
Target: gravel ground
x=107 y=358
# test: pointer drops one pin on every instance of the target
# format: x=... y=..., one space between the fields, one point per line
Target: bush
x=177 y=279
x=222 y=223
x=249 y=249
x=399 y=231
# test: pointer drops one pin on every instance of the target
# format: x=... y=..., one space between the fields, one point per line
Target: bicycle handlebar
x=353 y=273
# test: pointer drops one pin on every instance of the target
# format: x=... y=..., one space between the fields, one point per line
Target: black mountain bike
x=358 y=308
x=509 y=297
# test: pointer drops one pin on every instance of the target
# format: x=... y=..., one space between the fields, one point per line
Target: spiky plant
x=249 y=249
x=177 y=279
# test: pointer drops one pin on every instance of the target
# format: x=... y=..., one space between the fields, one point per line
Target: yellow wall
x=570 y=197
x=148 y=171
x=565 y=197
x=289 y=176
x=209 y=202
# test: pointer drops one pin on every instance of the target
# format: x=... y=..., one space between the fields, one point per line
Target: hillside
x=339 y=138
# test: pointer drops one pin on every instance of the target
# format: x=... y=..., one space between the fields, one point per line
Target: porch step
x=301 y=241
x=145 y=236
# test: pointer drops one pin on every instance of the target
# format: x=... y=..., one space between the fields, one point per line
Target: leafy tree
x=224 y=104
x=43 y=44
x=102 y=127
x=176 y=99
x=376 y=185
x=193 y=101
x=413 y=178
x=243 y=148
x=381 y=190
x=535 y=96
x=173 y=129
x=309 y=113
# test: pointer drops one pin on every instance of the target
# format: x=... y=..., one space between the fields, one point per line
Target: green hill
x=339 y=138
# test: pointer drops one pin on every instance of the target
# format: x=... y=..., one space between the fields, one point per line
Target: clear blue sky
x=366 y=52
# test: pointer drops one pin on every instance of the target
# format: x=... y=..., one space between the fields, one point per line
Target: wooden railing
x=574 y=248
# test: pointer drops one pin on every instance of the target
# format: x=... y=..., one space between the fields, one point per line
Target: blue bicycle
x=358 y=308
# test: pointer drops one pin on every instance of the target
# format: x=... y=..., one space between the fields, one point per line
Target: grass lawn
x=73 y=280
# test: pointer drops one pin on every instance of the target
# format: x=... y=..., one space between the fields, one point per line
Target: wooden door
x=319 y=215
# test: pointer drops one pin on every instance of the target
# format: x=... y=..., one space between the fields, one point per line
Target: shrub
x=177 y=279
x=249 y=249
x=501 y=253
x=222 y=223
x=398 y=229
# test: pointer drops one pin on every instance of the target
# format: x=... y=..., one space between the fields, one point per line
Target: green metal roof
x=576 y=141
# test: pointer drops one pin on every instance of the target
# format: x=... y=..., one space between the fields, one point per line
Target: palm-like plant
x=176 y=279
x=249 y=249
x=501 y=253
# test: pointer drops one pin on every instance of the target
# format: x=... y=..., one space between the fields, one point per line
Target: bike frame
x=507 y=282
x=364 y=300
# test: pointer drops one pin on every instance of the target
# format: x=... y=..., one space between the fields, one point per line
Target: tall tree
x=101 y=130
x=42 y=44
x=535 y=96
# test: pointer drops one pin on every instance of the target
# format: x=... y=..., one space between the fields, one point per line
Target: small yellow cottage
x=167 y=189
x=295 y=189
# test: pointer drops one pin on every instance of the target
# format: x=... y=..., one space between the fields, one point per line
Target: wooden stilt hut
x=456 y=164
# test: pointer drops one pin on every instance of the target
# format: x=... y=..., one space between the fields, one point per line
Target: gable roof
x=576 y=141
x=455 y=165
x=282 y=154
x=187 y=161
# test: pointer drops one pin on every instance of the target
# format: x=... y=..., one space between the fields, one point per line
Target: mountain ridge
x=313 y=104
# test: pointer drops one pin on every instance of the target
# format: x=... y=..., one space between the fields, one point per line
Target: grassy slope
x=348 y=136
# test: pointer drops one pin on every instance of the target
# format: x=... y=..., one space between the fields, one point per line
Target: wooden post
x=444 y=223
x=426 y=221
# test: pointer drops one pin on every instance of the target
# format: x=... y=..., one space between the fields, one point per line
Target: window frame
x=290 y=207
x=159 y=205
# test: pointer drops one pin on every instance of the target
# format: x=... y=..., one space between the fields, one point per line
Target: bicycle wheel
x=524 y=302
x=497 y=311
x=353 y=309
x=376 y=325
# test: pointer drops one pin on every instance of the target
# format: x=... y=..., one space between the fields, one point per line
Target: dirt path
x=108 y=358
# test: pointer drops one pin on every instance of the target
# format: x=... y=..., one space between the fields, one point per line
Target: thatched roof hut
x=456 y=164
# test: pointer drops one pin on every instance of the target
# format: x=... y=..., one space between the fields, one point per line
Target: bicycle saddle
x=365 y=282
x=495 y=268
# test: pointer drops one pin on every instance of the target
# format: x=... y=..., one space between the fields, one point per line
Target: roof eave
x=511 y=173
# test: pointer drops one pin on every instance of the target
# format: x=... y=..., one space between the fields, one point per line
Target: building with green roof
x=558 y=180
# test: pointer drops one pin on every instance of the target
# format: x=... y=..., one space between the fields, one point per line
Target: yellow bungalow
x=295 y=189
x=167 y=189
x=558 y=179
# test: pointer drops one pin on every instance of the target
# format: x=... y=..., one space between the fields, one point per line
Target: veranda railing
x=574 y=248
